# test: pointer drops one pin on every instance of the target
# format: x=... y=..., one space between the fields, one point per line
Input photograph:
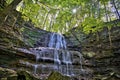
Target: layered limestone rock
x=101 y=52
x=16 y=53
x=54 y=56
x=9 y=74
x=16 y=35
x=57 y=76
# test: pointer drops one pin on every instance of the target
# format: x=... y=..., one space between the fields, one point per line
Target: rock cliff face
x=9 y=74
x=19 y=35
x=16 y=43
x=101 y=55
x=101 y=52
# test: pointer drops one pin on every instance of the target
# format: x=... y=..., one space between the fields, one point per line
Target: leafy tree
x=63 y=15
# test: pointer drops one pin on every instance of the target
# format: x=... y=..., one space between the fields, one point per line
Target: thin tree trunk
x=106 y=13
x=6 y=11
x=2 y=4
x=91 y=9
x=89 y=14
x=45 y=19
x=15 y=20
x=98 y=13
x=51 y=22
x=94 y=8
x=75 y=36
x=11 y=6
x=113 y=2
x=98 y=38
x=14 y=3
x=109 y=33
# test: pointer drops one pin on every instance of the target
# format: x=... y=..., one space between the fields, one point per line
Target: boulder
x=57 y=76
x=9 y=74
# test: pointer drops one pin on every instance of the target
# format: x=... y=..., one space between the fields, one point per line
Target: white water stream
x=56 y=52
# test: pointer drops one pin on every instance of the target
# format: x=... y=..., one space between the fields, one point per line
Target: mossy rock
x=12 y=77
x=57 y=76
x=24 y=75
x=3 y=79
x=89 y=54
x=7 y=74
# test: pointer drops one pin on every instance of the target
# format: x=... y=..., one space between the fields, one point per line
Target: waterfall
x=35 y=68
x=55 y=57
x=57 y=41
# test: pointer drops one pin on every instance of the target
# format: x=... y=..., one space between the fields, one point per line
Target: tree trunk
x=51 y=22
x=11 y=6
x=113 y=2
x=14 y=3
x=109 y=33
x=73 y=33
x=107 y=19
x=45 y=19
x=2 y=4
x=98 y=13
x=6 y=11
x=98 y=37
x=106 y=13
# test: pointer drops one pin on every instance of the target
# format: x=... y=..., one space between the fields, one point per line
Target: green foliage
x=31 y=35
x=57 y=76
x=61 y=17
x=92 y=24
x=8 y=1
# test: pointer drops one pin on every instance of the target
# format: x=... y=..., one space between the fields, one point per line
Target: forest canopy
x=63 y=15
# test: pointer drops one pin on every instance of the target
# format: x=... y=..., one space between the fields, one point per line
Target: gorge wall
x=101 y=60
x=101 y=57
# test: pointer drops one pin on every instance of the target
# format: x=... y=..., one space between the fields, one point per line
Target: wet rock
x=9 y=74
x=57 y=76
x=101 y=57
x=88 y=54
x=25 y=75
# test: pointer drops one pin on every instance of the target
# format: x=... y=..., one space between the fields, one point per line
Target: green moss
x=57 y=76
x=89 y=54
x=13 y=77
x=3 y=78
x=27 y=75
x=31 y=35
x=7 y=74
x=30 y=32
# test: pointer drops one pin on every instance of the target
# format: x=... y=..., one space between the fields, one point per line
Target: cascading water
x=58 y=42
x=55 y=57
